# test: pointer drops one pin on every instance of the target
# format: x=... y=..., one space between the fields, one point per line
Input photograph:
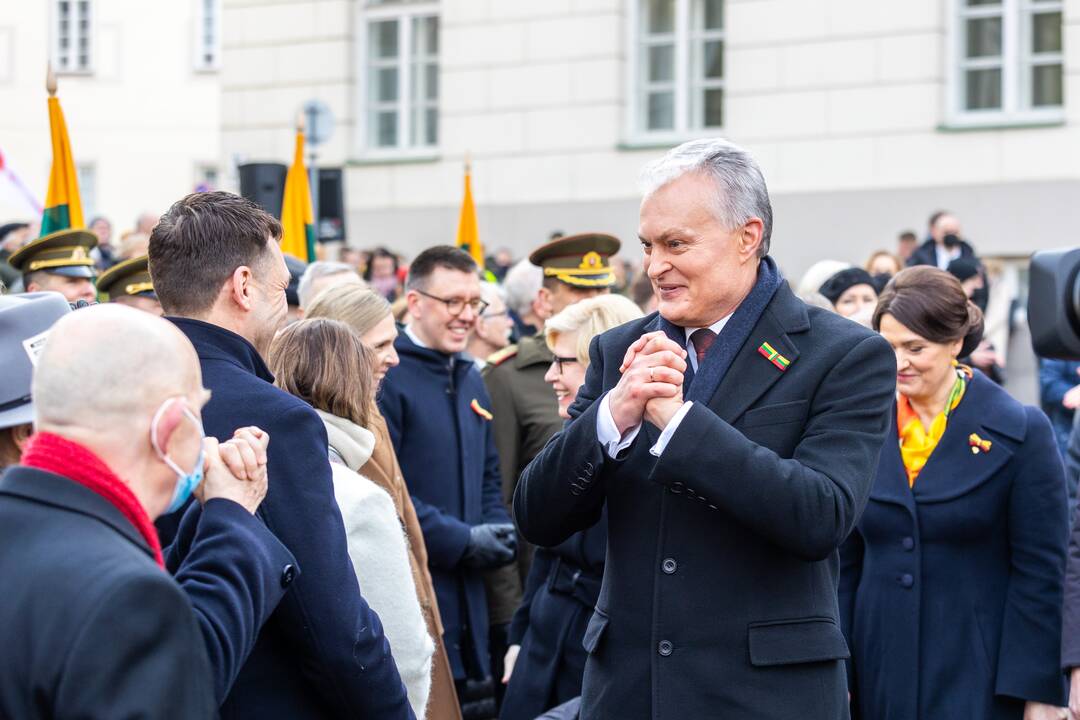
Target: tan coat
x=383 y=470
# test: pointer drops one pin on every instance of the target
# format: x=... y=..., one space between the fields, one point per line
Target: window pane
x=1046 y=32
x=660 y=111
x=713 y=60
x=713 y=13
x=431 y=81
x=661 y=63
x=983 y=89
x=386 y=84
x=1046 y=87
x=661 y=16
x=384 y=39
x=714 y=107
x=977 y=3
x=385 y=129
x=984 y=37
x=425 y=36
x=432 y=126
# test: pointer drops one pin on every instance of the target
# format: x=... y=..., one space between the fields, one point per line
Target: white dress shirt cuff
x=669 y=431
x=608 y=433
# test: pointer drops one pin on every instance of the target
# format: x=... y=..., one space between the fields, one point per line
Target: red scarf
x=59 y=456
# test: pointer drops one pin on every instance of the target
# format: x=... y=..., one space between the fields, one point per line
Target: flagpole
x=50 y=80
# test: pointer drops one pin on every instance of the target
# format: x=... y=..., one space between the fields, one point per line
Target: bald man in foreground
x=94 y=625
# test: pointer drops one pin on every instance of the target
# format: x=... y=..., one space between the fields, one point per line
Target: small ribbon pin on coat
x=475 y=405
x=978 y=444
x=769 y=353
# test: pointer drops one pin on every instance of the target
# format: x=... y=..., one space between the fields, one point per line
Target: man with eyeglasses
x=439 y=417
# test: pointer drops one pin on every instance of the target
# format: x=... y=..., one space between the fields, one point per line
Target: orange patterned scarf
x=917 y=442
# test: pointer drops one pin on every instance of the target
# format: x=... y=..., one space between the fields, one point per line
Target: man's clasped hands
x=651 y=386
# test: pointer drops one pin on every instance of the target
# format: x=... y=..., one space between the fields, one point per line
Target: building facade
x=864 y=115
x=139 y=85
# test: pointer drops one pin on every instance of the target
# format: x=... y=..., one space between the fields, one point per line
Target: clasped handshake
x=651 y=386
x=235 y=469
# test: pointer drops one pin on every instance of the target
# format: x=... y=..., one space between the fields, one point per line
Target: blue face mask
x=185 y=482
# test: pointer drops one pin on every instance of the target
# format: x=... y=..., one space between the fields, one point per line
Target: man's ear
x=241 y=287
x=412 y=303
x=21 y=433
x=542 y=304
x=750 y=238
x=170 y=420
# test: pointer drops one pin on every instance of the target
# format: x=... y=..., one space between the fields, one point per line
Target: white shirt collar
x=412 y=336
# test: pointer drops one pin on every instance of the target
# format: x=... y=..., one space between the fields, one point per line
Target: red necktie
x=703 y=340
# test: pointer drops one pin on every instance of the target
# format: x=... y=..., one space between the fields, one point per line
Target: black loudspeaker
x=264 y=184
x=331 y=212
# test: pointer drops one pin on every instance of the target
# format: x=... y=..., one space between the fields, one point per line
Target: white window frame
x=199 y=37
x=404 y=13
x=87 y=176
x=1016 y=62
x=686 y=85
x=72 y=52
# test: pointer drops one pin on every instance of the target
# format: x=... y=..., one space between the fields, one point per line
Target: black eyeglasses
x=560 y=361
x=456 y=306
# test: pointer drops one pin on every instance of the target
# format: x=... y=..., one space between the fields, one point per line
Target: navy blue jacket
x=560 y=595
x=719 y=592
x=951 y=590
x=1057 y=377
x=92 y=627
x=234 y=572
x=322 y=654
x=448 y=457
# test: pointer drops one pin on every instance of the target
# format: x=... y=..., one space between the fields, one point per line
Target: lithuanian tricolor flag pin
x=770 y=354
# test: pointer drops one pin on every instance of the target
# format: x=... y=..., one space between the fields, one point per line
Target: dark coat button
x=665 y=648
x=669 y=565
x=908 y=543
x=677 y=487
x=906 y=580
x=288 y=574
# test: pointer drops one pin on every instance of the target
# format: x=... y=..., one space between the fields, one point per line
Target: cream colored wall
x=144 y=118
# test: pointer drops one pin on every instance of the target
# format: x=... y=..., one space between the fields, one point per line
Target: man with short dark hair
x=437 y=410
x=906 y=244
x=218 y=270
x=944 y=245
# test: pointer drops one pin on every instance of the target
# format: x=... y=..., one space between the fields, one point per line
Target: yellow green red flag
x=468 y=237
x=297 y=215
x=63 y=209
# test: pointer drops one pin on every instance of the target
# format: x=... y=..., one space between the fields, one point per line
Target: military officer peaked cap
x=130 y=277
x=581 y=261
x=64 y=252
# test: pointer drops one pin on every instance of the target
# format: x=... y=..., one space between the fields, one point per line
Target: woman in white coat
x=324 y=363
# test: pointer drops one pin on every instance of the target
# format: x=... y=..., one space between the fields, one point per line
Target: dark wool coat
x=719 y=592
x=447 y=454
x=322 y=653
x=93 y=628
x=560 y=594
x=951 y=590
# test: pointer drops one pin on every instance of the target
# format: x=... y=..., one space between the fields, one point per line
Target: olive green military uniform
x=524 y=406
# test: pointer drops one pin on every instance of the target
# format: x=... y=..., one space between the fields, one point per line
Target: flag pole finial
x=50 y=80
x=300 y=121
x=468 y=162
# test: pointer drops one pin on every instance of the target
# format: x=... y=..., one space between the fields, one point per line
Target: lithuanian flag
x=297 y=216
x=468 y=237
x=63 y=209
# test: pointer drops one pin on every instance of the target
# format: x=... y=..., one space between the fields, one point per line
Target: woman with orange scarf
x=951 y=583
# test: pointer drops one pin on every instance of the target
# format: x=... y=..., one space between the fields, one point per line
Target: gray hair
x=319 y=269
x=489 y=292
x=521 y=284
x=741 y=191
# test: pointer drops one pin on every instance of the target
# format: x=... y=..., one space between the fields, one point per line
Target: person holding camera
x=951 y=583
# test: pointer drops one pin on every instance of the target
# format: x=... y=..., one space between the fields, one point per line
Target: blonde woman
x=369 y=316
x=324 y=363
x=546 y=659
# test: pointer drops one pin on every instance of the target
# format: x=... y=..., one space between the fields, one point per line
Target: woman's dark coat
x=560 y=595
x=951 y=591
